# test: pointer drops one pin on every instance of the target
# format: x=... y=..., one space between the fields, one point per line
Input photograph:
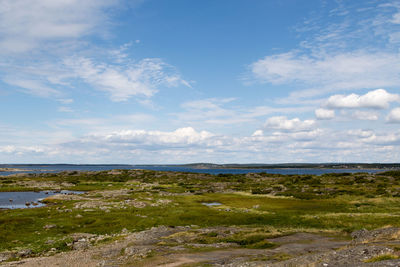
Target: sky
x=184 y=81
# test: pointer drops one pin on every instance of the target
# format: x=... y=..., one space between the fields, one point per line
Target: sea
x=53 y=168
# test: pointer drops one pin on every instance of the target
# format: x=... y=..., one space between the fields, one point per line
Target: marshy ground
x=150 y=218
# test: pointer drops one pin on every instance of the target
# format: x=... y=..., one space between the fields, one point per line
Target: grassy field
x=263 y=204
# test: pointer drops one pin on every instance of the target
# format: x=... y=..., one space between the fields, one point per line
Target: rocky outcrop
x=384 y=234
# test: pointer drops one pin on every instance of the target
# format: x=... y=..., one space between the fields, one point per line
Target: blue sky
x=153 y=81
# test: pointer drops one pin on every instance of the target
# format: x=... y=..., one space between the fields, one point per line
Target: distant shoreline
x=360 y=166
x=12 y=170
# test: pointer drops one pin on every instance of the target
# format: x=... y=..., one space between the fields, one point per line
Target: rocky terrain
x=148 y=218
x=169 y=246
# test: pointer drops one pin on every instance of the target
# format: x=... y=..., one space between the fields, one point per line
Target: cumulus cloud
x=186 y=144
x=285 y=124
x=377 y=99
x=387 y=139
x=324 y=114
x=371 y=137
x=365 y=115
x=258 y=133
x=306 y=135
x=394 y=116
x=181 y=136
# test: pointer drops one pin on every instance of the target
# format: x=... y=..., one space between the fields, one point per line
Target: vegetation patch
x=261 y=204
x=383 y=258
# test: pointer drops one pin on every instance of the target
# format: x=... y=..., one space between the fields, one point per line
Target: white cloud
x=285 y=124
x=306 y=135
x=326 y=73
x=386 y=139
x=226 y=112
x=186 y=144
x=365 y=115
x=105 y=124
x=66 y=101
x=181 y=136
x=349 y=47
x=394 y=37
x=396 y=18
x=38 y=37
x=7 y=149
x=26 y=24
x=258 y=133
x=377 y=99
x=19 y=150
x=125 y=81
x=33 y=87
x=394 y=116
x=324 y=114
x=361 y=133
x=65 y=109
x=210 y=103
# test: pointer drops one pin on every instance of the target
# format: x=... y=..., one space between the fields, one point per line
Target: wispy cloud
x=46 y=48
x=33 y=87
x=228 y=111
x=127 y=80
x=30 y=24
x=329 y=73
x=349 y=47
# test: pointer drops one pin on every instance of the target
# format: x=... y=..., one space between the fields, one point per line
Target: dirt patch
x=148 y=248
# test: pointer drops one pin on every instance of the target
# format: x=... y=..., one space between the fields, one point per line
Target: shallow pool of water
x=23 y=200
x=210 y=204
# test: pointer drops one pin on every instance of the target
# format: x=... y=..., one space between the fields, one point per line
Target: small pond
x=210 y=204
x=22 y=200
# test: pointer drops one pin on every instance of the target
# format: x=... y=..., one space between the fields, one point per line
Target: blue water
x=19 y=200
x=243 y=171
x=63 y=167
x=210 y=204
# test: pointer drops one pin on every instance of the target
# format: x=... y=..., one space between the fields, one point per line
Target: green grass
x=257 y=241
x=383 y=258
x=328 y=203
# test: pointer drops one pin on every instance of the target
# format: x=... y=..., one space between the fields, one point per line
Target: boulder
x=81 y=244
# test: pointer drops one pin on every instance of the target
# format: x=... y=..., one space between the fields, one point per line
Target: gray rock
x=49 y=226
x=137 y=252
x=24 y=253
x=50 y=241
x=383 y=234
x=81 y=236
x=4 y=256
x=80 y=245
